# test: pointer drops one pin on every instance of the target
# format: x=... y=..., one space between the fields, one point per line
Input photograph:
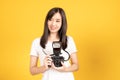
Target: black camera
x=57 y=59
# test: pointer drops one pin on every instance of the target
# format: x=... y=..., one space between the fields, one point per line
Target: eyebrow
x=58 y=19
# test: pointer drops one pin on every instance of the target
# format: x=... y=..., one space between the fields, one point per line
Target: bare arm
x=74 y=63
x=34 y=69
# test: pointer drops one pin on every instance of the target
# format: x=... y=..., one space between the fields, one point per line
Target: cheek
x=48 y=23
x=60 y=24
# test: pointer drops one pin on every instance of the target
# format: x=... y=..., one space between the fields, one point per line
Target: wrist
x=44 y=68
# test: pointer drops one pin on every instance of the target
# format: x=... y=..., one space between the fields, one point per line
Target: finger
x=45 y=57
x=48 y=56
x=62 y=63
x=49 y=59
x=53 y=66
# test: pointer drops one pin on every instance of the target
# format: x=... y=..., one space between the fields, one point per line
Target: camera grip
x=49 y=66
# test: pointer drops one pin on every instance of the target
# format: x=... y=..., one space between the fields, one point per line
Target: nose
x=53 y=23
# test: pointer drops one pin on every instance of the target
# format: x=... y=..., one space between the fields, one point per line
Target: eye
x=58 y=21
x=50 y=19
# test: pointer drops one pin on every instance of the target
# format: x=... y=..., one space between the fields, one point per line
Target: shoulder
x=69 y=38
x=71 y=47
x=36 y=40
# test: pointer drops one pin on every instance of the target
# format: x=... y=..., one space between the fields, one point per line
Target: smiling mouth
x=53 y=28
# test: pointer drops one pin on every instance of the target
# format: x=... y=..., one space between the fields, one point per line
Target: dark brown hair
x=61 y=33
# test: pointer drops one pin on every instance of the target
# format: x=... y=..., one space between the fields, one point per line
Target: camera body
x=57 y=59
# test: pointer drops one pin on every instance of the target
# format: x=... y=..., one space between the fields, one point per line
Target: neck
x=53 y=37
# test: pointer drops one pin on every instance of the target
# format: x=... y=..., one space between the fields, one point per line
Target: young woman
x=55 y=28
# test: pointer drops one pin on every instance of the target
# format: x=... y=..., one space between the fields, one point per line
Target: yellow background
x=94 y=25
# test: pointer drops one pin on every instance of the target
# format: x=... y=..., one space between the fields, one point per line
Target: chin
x=53 y=31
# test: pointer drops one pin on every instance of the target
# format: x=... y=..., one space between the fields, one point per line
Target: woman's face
x=54 y=24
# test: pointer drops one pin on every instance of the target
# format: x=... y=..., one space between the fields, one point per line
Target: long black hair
x=61 y=33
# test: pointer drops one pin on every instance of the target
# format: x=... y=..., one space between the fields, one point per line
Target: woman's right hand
x=47 y=62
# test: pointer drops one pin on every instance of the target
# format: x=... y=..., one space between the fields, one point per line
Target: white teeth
x=52 y=28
